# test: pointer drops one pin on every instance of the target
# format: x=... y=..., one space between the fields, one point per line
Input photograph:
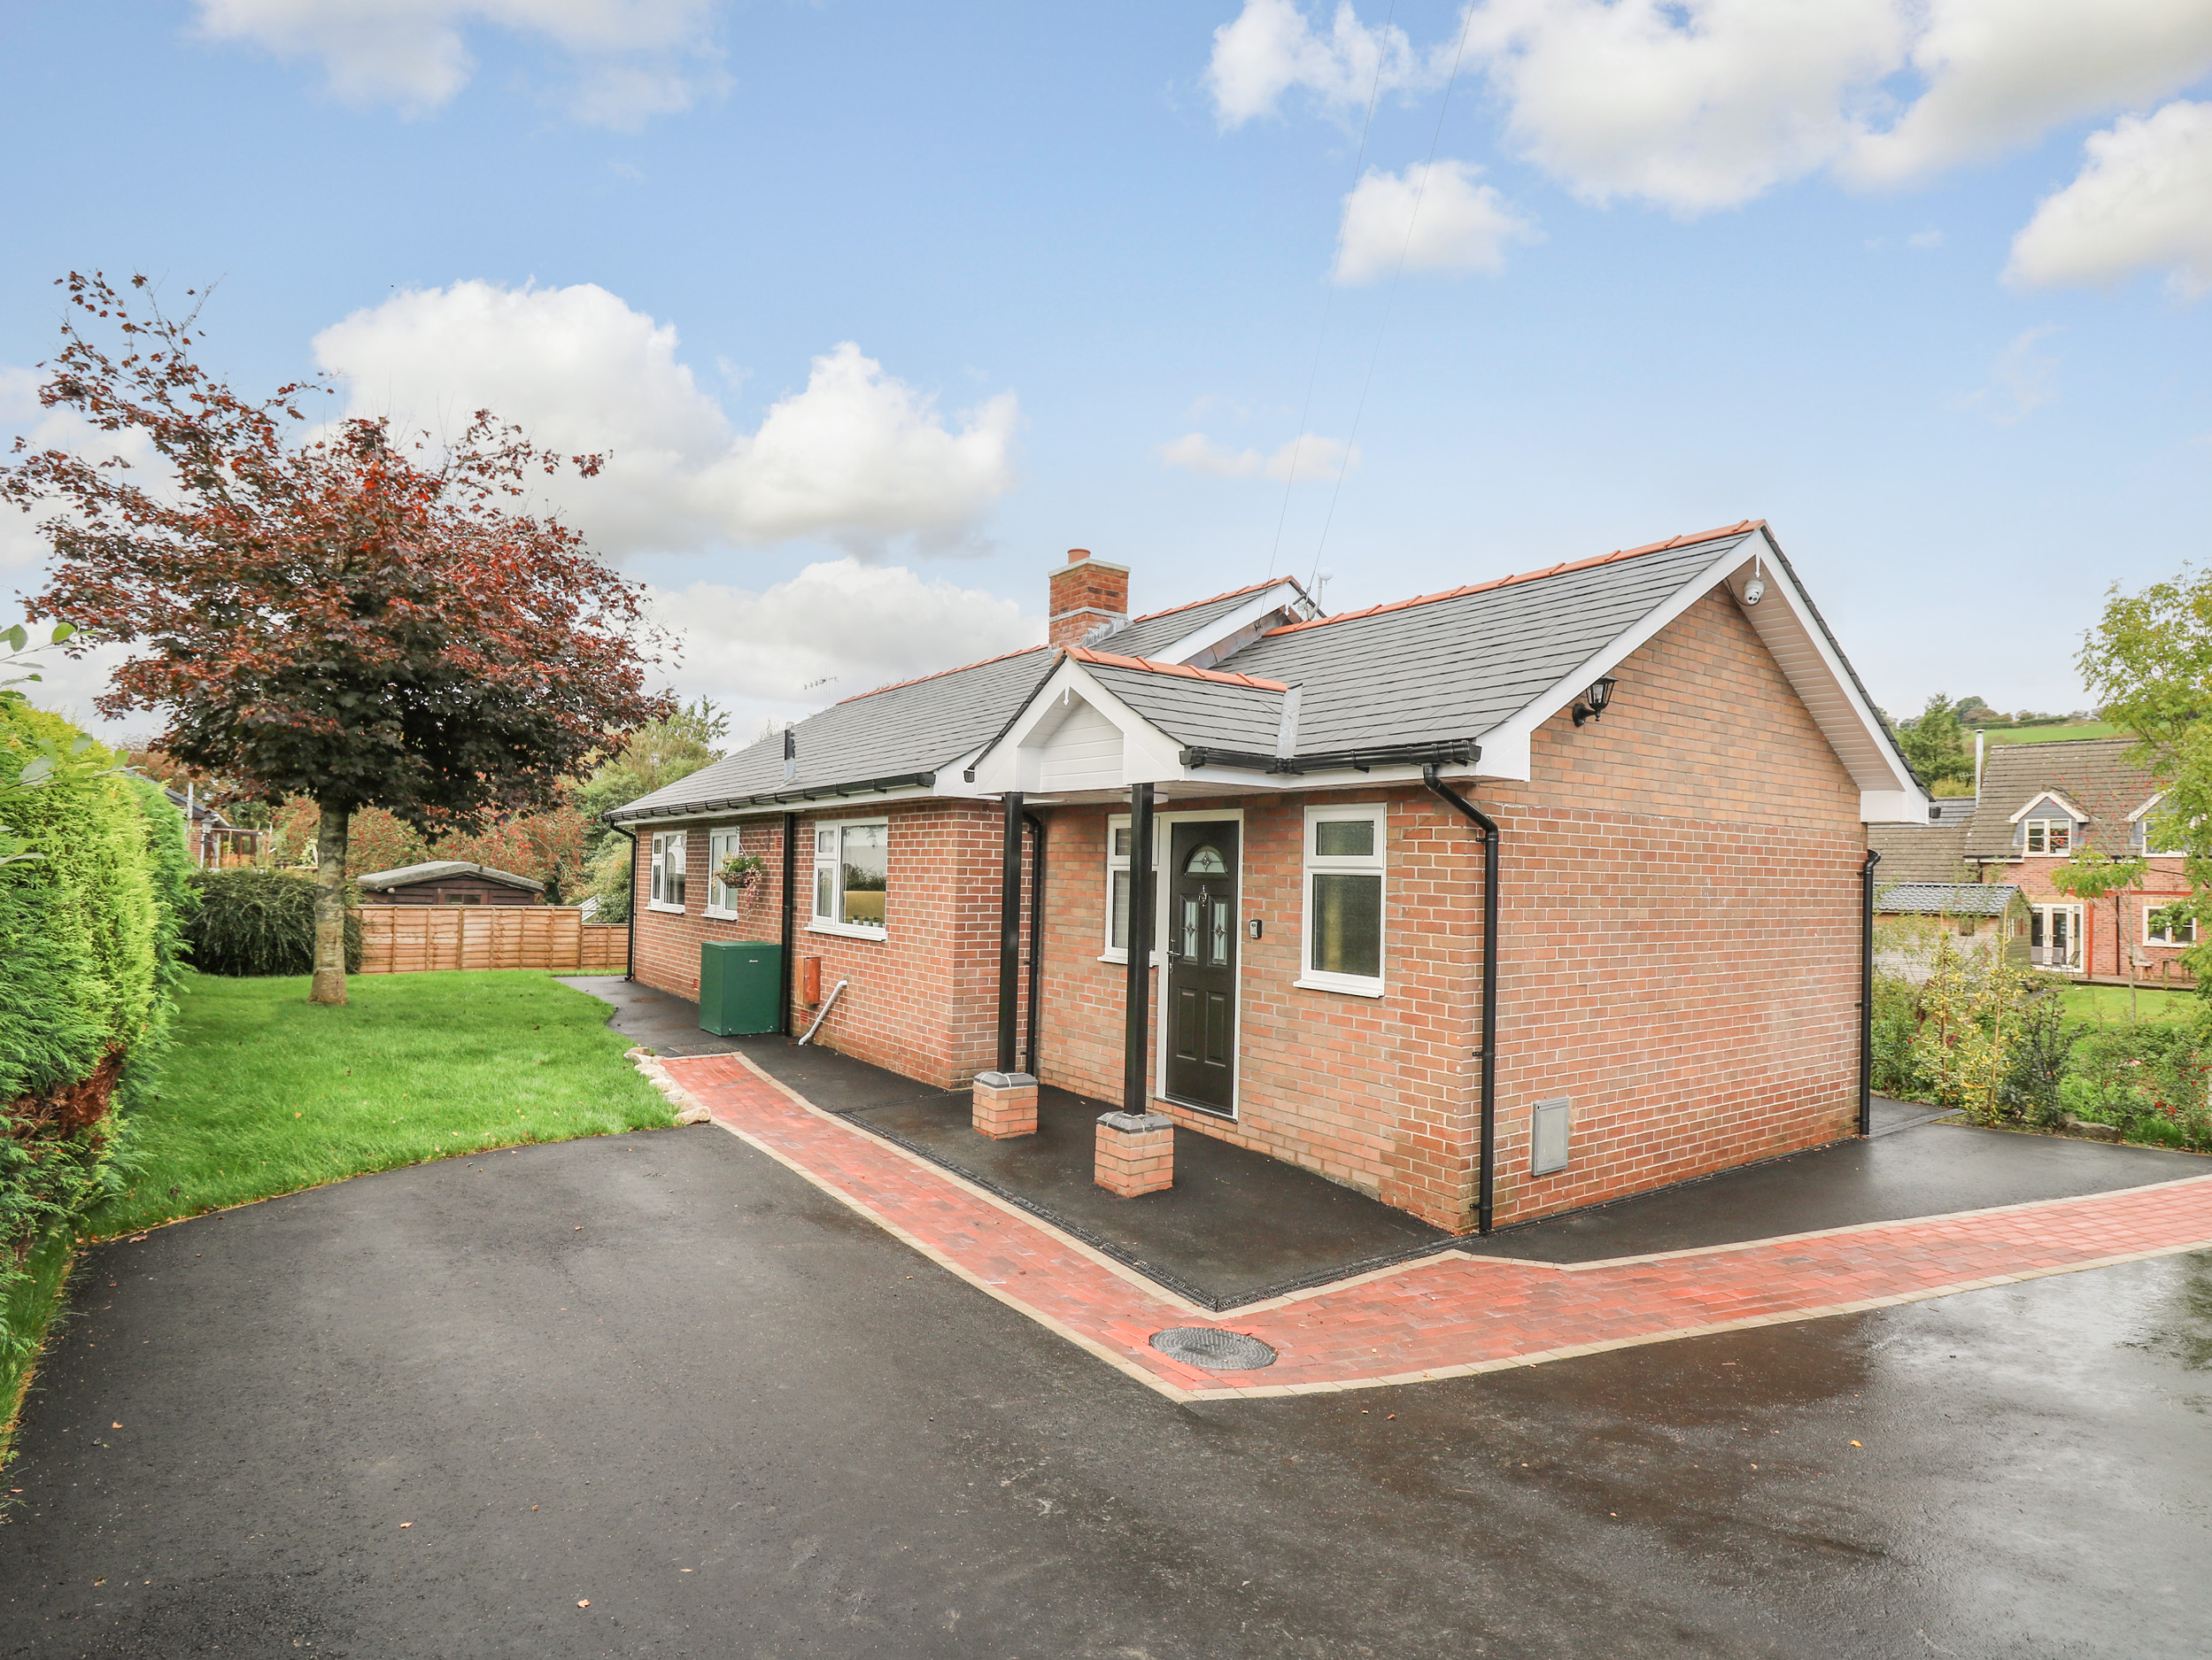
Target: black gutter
x=630 y=936
x=790 y=935
x=1486 y=1178
x=1036 y=937
x=1429 y=755
x=1866 y=993
x=738 y=803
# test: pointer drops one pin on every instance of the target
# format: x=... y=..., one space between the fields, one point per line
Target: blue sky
x=1917 y=284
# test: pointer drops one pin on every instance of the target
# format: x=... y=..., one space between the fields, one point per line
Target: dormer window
x=2050 y=835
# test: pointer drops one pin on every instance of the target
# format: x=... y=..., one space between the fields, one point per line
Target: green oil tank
x=740 y=984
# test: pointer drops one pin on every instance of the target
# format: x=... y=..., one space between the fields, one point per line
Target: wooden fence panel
x=416 y=938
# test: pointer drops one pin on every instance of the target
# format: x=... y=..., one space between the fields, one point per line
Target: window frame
x=658 y=882
x=2027 y=829
x=1313 y=864
x=2152 y=906
x=730 y=839
x=1115 y=865
x=834 y=862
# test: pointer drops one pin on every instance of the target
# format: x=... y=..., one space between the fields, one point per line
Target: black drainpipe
x=1036 y=935
x=791 y=869
x=1866 y=993
x=1486 y=1178
x=630 y=936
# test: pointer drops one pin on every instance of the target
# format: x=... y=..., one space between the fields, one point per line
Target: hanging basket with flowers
x=740 y=870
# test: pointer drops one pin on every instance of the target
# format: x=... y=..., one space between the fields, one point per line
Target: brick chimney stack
x=1084 y=593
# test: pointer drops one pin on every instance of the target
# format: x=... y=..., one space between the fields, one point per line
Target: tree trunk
x=329 y=986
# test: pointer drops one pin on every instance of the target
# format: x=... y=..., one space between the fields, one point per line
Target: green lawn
x=2091 y=1004
x=267 y=1093
x=2050 y=734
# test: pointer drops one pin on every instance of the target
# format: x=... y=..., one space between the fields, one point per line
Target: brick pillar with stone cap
x=1087 y=594
x=1004 y=1104
x=1136 y=1153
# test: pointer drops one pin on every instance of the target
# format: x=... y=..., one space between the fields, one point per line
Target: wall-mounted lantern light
x=1594 y=699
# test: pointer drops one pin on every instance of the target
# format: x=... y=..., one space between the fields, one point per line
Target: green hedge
x=93 y=904
x=261 y=922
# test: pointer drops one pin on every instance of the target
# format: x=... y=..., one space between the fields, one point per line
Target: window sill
x=848 y=931
x=715 y=913
x=1343 y=988
x=1119 y=957
x=663 y=907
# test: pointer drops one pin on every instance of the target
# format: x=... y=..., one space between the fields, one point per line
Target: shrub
x=1897 y=1070
x=92 y=909
x=261 y=923
x=2148 y=1079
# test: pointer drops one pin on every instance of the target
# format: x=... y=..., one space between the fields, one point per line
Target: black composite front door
x=1201 y=931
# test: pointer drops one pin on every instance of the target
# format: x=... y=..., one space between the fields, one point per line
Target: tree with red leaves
x=333 y=612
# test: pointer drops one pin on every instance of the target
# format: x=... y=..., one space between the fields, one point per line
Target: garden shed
x=449 y=882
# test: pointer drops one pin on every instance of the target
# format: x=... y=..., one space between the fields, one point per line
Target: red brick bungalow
x=1660 y=756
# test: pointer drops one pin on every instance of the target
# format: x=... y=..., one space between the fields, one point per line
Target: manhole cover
x=1214 y=1349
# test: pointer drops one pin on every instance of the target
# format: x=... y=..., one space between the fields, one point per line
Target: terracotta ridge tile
x=1689 y=540
x=1115 y=660
x=941 y=674
x=1231 y=594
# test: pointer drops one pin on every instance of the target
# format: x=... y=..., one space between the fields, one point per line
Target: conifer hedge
x=261 y=922
x=94 y=898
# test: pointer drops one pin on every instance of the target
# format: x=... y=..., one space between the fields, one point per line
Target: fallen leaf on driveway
x=585 y=1604
x=407 y=1524
x=118 y=1426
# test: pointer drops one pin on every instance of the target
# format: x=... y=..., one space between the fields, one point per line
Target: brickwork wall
x=1083 y=594
x=1679 y=954
x=2104 y=955
x=923 y=1000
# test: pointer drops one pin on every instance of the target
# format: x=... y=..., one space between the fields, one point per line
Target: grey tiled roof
x=1914 y=853
x=1945 y=898
x=1951 y=810
x=2096 y=774
x=918 y=727
x=1199 y=714
x=435 y=867
x=1454 y=668
x=1148 y=636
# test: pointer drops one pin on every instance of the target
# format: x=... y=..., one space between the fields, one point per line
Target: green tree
x=1935 y=743
x=2091 y=876
x=655 y=755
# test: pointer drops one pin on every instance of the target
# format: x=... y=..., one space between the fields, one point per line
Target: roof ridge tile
x=1689 y=540
x=1228 y=594
x=1115 y=660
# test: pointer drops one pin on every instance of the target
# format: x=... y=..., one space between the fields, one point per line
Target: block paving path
x=1446 y=1316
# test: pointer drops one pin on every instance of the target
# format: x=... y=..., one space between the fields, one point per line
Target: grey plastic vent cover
x=1548 y=1137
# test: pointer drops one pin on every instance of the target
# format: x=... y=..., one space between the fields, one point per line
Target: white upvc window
x=2050 y=835
x=2168 y=924
x=668 y=871
x=1341 y=946
x=1118 y=888
x=852 y=877
x=722 y=899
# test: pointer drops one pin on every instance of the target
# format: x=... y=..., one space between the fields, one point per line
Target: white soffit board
x=1182 y=650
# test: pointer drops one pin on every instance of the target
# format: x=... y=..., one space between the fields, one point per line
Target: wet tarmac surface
x=1238 y=1225
x=661 y=1375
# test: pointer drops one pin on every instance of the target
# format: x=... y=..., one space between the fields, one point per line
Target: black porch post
x=1011 y=934
x=1136 y=1096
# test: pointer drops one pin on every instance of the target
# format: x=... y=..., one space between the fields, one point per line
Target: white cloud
x=2019 y=379
x=858 y=457
x=2142 y=201
x=837 y=628
x=1694 y=105
x=1310 y=458
x=1271 y=47
x=631 y=58
x=1454 y=223
x=2001 y=72
x=1699 y=104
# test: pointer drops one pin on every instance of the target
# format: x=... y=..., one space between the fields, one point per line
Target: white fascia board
x=1893 y=807
x=1189 y=645
x=2073 y=812
x=1148 y=754
x=2145 y=809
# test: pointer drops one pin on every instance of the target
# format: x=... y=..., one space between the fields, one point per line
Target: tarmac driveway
x=661 y=1375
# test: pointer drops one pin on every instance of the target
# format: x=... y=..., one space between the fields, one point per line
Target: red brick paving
x=1445 y=1316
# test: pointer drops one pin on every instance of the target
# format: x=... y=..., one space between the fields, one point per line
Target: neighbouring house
x=1980 y=918
x=448 y=882
x=210 y=840
x=2036 y=804
x=1491 y=903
